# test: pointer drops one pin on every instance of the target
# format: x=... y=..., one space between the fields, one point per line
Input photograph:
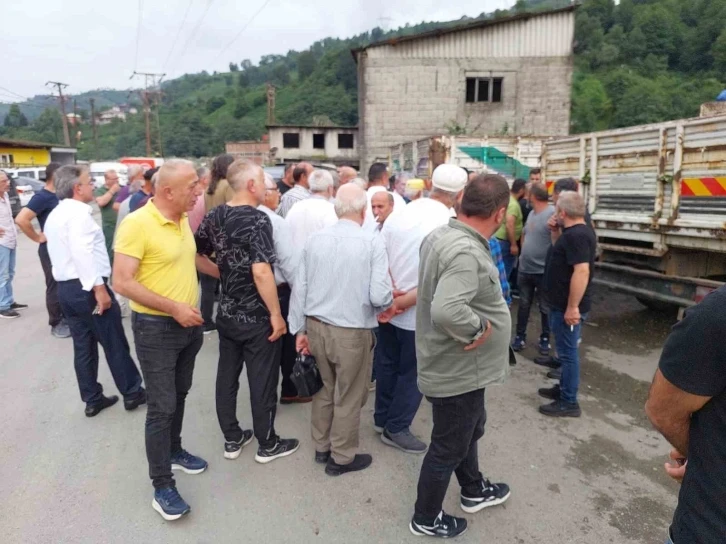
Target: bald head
x=351 y=203
x=382 y=205
x=110 y=177
x=346 y=174
x=176 y=187
x=247 y=178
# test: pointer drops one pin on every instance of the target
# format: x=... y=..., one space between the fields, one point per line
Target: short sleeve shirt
x=239 y=236
x=108 y=214
x=576 y=245
x=41 y=204
x=694 y=360
x=513 y=208
x=166 y=254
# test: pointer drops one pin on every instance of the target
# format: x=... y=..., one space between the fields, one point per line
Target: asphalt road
x=67 y=478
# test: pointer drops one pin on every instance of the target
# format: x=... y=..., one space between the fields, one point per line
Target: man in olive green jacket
x=462 y=345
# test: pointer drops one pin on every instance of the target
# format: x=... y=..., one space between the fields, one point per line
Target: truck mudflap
x=649 y=285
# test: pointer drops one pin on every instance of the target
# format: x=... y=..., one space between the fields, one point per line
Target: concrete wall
x=306 y=151
x=402 y=99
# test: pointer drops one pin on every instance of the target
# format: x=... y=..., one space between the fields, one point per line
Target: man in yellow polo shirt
x=156 y=268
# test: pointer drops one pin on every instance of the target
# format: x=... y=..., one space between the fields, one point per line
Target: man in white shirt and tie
x=315 y=213
x=81 y=266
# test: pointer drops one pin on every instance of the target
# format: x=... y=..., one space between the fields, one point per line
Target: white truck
x=657 y=196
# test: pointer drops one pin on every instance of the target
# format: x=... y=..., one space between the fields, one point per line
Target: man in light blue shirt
x=342 y=284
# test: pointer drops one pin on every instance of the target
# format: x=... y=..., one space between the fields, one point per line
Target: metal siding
x=545 y=36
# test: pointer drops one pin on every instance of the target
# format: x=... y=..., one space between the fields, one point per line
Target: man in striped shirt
x=301 y=191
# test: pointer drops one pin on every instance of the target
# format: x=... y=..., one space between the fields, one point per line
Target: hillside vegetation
x=636 y=62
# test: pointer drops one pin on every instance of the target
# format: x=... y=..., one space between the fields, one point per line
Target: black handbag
x=306 y=376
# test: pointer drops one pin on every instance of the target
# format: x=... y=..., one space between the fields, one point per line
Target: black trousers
x=528 y=285
x=458 y=425
x=166 y=353
x=55 y=314
x=241 y=343
x=288 y=345
x=209 y=296
x=88 y=331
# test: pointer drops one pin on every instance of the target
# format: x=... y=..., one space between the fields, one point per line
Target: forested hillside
x=636 y=62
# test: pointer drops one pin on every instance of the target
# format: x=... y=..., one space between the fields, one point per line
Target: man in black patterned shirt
x=249 y=319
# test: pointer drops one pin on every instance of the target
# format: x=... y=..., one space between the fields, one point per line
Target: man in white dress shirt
x=397 y=393
x=315 y=213
x=284 y=273
x=81 y=267
x=378 y=181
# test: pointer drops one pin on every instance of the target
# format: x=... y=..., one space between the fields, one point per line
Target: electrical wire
x=244 y=27
x=178 y=32
x=14 y=93
x=138 y=33
x=193 y=33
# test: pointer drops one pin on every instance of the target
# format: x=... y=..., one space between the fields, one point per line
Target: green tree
x=591 y=107
x=214 y=103
x=233 y=67
x=15 y=118
x=49 y=126
x=718 y=52
x=306 y=64
x=280 y=74
x=244 y=79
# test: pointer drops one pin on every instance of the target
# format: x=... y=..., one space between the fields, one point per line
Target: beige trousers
x=345 y=358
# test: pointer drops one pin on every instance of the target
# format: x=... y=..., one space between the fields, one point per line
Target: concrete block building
x=329 y=144
x=508 y=76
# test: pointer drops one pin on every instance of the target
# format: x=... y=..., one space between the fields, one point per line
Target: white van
x=34 y=172
x=97 y=170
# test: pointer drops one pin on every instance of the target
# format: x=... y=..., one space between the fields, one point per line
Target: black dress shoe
x=361 y=462
x=137 y=401
x=552 y=393
x=555 y=374
x=548 y=361
x=95 y=409
x=322 y=457
x=559 y=408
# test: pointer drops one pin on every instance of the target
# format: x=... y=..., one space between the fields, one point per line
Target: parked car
x=15 y=205
x=34 y=172
x=99 y=168
x=26 y=188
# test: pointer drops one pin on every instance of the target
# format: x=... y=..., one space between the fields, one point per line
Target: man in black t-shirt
x=567 y=283
x=40 y=206
x=249 y=320
x=687 y=404
x=286 y=183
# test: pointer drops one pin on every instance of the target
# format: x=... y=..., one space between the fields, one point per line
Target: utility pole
x=76 y=124
x=61 y=86
x=270 y=104
x=149 y=77
x=93 y=127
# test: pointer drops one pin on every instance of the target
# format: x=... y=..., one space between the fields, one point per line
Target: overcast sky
x=92 y=44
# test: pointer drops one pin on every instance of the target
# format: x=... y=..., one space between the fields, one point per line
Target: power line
x=244 y=27
x=16 y=94
x=178 y=32
x=193 y=33
x=138 y=33
x=61 y=86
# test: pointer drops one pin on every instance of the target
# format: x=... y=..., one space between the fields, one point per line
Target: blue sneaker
x=518 y=344
x=169 y=503
x=191 y=464
x=544 y=345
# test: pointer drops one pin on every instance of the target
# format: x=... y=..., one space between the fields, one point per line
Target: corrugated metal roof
x=497 y=35
x=27 y=143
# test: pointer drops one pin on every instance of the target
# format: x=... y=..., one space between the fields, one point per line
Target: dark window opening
x=318 y=141
x=345 y=141
x=290 y=140
x=483 y=89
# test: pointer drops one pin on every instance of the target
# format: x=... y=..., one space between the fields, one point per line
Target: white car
x=26 y=188
x=97 y=170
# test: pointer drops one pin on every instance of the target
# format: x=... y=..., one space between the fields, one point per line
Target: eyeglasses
x=272 y=189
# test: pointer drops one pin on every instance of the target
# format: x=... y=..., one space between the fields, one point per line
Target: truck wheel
x=658 y=305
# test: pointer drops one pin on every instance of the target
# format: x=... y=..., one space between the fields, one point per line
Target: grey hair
x=202 y=172
x=240 y=172
x=65 y=179
x=168 y=169
x=572 y=204
x=133 y=171
x=389 y=194
x=269 y=181
x=320 y=181
x=360 y=182
x=336 y=179
x=350 y=200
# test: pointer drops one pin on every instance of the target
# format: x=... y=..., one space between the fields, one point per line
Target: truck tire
x=658 y=305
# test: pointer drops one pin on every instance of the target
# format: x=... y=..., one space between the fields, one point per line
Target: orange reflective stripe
x=704 y=186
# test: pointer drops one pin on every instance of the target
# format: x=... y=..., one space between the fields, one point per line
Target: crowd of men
x=405 y=282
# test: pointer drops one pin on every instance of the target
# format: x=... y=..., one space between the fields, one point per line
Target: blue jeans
x=507 y=256
x=566 y=338
x=7 y=273
x=397 y=394
x=88 y=331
